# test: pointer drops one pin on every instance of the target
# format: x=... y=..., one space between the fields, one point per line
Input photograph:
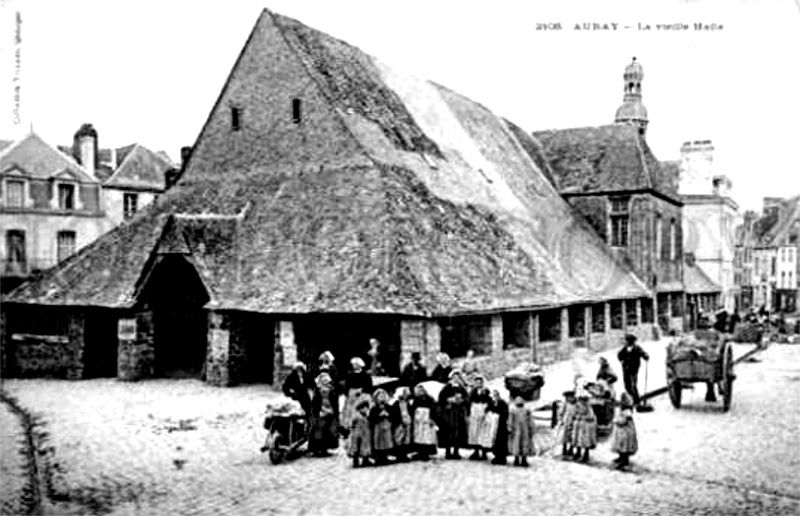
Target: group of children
x=415 y=425
x=578 y=428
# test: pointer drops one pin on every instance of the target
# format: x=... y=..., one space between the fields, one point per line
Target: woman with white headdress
x=357 y=385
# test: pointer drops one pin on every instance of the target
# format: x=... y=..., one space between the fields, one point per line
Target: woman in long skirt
x=325 y=416
x=566 y=421
x=453 y=404
x=624 y=440
x=498 y=410
x=357 y=385
x=401 y=415
x=423 y=424
x=479 y=400
x=360 y=439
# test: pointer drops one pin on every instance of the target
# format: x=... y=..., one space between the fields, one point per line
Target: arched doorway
x=176 y=295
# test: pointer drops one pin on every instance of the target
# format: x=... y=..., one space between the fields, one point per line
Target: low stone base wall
x=45 y=356
x=135 y=360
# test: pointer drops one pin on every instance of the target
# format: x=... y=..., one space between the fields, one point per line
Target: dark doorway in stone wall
x=257 y=334
x=176 y=295
x=100 y=343
x=347 y=336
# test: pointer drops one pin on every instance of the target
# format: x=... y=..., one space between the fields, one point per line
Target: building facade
x=57 y=200
x=330 y=199
x=612 y=178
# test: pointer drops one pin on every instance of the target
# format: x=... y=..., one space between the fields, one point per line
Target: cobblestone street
x=160 y=447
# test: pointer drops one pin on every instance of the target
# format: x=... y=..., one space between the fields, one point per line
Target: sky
x=149 y=71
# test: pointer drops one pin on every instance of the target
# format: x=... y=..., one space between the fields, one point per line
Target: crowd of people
x=464 y=414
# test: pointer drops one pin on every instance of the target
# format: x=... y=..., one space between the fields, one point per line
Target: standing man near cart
x=630 y=357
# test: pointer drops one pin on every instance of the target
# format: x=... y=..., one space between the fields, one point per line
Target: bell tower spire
x=632 y=111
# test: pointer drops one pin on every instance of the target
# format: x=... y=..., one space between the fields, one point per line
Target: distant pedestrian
x=360 y=440
x=414 y=372
x=401 y=419
x=479 y=399
x=520 y=429
x=630 y=357
x=497 y=417
x=441 y=373
x=423 y=424
x=624 y=440
x=380 y=419
x=584 y=430
x=566 y=420
x=453 y=406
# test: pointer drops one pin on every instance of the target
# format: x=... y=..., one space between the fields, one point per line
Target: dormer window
x=66 y=196
x=15 y=193
x=297 y=115
x=236 y=118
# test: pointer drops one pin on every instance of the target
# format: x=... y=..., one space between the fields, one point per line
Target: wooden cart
x=705 y=358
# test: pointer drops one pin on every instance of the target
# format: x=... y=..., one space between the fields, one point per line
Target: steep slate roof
x=5 y=143
x=787 y=216
x=696 y=281
x=603 y=158
x=38 y=159
x=444 y=211
x=140 y=168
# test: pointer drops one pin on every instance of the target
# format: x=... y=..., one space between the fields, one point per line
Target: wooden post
x=533 y=335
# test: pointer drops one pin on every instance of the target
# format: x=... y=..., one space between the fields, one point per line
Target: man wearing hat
x=630 y=357
x=414 y=372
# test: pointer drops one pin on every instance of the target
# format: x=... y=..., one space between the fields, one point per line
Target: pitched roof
x=38 y=159
x=439 y=209
x=603 y=158
x=696 y=281
x=5 y=143
x=140 y=168
x=785 y=220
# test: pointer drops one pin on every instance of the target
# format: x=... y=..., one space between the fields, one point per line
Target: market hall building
x=328 y=200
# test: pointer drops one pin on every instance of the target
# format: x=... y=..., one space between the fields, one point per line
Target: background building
x=56 y=200
x=710 y=218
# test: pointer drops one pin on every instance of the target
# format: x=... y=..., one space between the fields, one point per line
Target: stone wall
x=218 y=354
x=422 y=336
x=55 y=355
x=136 y=357
x=285 y=351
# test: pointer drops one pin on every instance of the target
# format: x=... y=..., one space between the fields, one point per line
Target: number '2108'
x=548 y=26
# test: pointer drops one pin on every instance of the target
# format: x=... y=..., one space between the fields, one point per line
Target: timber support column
x=496 y=332
x=285 y=351
x=565 y=345
x=533 y=336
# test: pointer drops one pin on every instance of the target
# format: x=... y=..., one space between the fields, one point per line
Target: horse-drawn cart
x=703 y=357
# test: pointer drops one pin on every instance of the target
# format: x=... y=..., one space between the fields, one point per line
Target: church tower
x=632 y=111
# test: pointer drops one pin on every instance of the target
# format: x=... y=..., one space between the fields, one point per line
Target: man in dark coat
x=300 y=386
x=630 y=357
x=414 y=372
x=453 y=406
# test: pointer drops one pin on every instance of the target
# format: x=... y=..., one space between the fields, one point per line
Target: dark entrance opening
x=347 y=336
x=176 y=296
x=258 y=346
x=100 y=343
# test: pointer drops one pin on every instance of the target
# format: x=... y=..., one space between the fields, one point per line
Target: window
x=550 y=325
x=129 y=202
x=16 y=259
x=677 y=305
x=599 y=318
x=616 y=315
x=619 y=220
x=65 y=243
x=66 y=197
x=15 y=193
x=236 y=118
x=774 y=266
x=659 y=237
x=673 y=240
x=783 y=279
x=296 y=112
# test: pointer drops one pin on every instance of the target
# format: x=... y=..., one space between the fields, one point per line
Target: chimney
x=186 y=153
x=697 y=158
x=84 y=147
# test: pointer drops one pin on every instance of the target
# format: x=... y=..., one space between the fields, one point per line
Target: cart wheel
x=727 y=378
x=278 y=450
x=675 y=393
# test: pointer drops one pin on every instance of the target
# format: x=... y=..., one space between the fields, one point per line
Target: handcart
x=287 y=431
x=703 y=357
